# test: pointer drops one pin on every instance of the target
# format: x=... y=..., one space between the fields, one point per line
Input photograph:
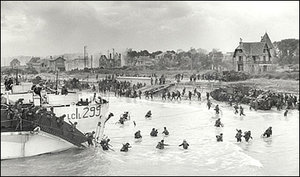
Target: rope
x=8 y=120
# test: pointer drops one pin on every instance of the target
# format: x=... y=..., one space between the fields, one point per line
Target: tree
x=288 y=51
x=216 y=57
x=153 y=54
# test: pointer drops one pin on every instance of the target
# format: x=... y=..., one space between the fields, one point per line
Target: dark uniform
x=218 y=123
x=125 y=147
x=184 y=144
x=90 y=137
x=161 y=145
x=268 y=132
x=247 y=135
x=166 y=132
x=138 y=134
x=219 y=137
x=153 y=132
x=239 y=136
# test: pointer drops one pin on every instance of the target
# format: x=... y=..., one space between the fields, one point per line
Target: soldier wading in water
x=161 y=145
x=184 y=144
x=125 y=147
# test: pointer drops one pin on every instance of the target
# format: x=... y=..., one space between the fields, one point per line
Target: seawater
x=190 y=120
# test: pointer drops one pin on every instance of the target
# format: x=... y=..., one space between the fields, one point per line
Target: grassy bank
x=265 y=81
x=276 y=85
x=278 y=75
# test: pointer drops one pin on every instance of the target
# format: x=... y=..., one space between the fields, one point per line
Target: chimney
x=85 y=56
x=241 y=40
x=91 y=61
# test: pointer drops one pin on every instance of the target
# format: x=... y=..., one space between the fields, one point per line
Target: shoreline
x=275 y=85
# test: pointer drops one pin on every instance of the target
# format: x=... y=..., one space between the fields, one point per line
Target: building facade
x=57 y=64
x=77 y=63
x=15 y=63
x=34 y=62
x=254 y=57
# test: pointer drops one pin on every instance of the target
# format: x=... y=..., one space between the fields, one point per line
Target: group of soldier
x=176 y=94
x=104 y=143
x=158 y=81
x=120 y=88
x=238 y=136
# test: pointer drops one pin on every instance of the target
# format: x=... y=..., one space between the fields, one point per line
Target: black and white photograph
x=149 y=88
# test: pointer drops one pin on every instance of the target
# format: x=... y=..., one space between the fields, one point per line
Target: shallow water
x=192 y=121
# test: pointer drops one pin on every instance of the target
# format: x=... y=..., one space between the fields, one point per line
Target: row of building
x=67 y=63
x=253 y=57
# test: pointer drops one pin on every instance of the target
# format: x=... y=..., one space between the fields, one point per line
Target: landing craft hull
x=87 y=117
x=26 y=144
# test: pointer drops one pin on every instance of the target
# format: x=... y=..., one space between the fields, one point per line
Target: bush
x=278 y=75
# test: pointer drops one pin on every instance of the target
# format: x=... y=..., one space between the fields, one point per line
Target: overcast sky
x=49 y=28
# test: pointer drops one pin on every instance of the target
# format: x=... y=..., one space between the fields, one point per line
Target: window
x=240 y=67
x=254 y=58
x=240 y=58
x=264 y=58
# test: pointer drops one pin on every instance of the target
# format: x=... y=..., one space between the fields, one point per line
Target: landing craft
x=17 y=136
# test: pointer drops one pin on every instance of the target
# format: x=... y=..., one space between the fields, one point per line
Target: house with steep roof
x=34 y=62
x=57 y=64
x=145 y=61
x=254 y=57
x=15 y=63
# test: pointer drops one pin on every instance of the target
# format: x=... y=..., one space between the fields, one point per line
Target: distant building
x=15 y=63
x=144 y=61
x=217 y=58
x=167 y=55
x=103 y=61
x=113 y=60
x=44 y=65
x=57 y=64
x=77 y=63
x=34 y=62
x=254 y=57
x=228 y=61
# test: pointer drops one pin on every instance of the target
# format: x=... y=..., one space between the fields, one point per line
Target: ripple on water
x=193 y=122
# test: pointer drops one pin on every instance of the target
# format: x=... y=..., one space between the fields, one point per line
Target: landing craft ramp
x=47 y=123
x=156 y=88
x=135 y=80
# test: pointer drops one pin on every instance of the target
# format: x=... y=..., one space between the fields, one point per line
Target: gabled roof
x=252 y=48
x=52 y=60
x=267 y=39
x=15 y=60
x=103 y=57
x=34 y=60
